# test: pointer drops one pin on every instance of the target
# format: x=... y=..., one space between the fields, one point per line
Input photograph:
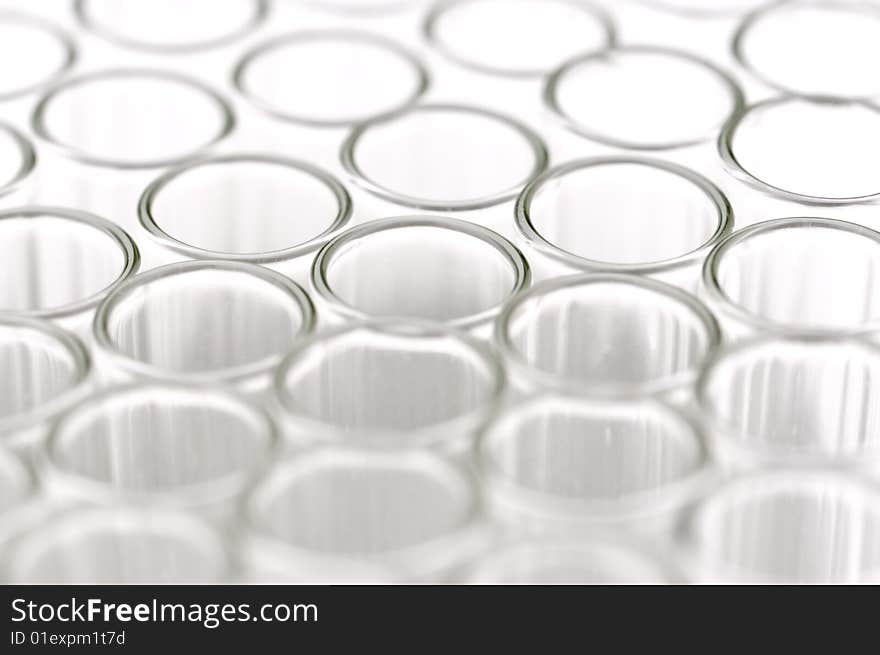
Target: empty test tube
x=444 y=157
x=389 y=384
x=585 y=216
x=109 y=546
x=812 y=150
x=786 y=527
x=160 y=445
x=131 y=118
x=207 y=321
x=310 y=77
x=817 y=47
x=351 y=515
x=606 y=335
x=44 y=370
x=565 y=463
x=427 y=267
x=42 y=52
x=642 y=97
x=796 y=275
x=59 y=263
x=245 y=207
x=537 y=36
x=794 y=401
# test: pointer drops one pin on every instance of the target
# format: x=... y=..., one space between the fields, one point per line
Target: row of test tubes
x=487 y=291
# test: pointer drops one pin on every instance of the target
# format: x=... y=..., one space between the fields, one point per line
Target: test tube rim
x=28 y=160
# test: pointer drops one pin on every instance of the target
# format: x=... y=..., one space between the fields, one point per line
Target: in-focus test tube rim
x=42 y=130
x=360 y=178
x=511 y=254
x=714 y=195
x=429 y=31
x=157 y=233
x=239 y=71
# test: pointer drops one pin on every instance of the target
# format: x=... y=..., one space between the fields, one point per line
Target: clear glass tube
x=311 y=77
x=427 y=267
x=342 y=515
x=606 y=335
x=444 y=157
x=132 y=118
x=534 y=36
x=796 y=275
x=42 y=52
x=598 y=559
x=164 y=445
x=786 y=527
x=132 y=546
x=642 y=97
x=210 y=321
x=813 y=47
x=585 y=215
x=171 y=26
x=558 y=463
x=17 y=161
x=59 y=263
x=389 y=384
x=244 y=207
x=794 y=401
x=812 y=150
x=44 y=370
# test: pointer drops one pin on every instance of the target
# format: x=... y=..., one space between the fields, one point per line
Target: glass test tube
x=427 y=267
x=537 y=36
x=796 y=275
x=246 y=207
x=786 y=527
x=584 y=215
x=43 y=53
x=794 y=401
x=339 y=515
x=606 y=335
x=389 y=384
x=812 y=150
x=558 y=464
x=59 y=263
x=112 y=546
x=310 y=77
x=817 y=47
x=160 y=445
x=44 y=371
x=205 y=321
x=642 y=97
